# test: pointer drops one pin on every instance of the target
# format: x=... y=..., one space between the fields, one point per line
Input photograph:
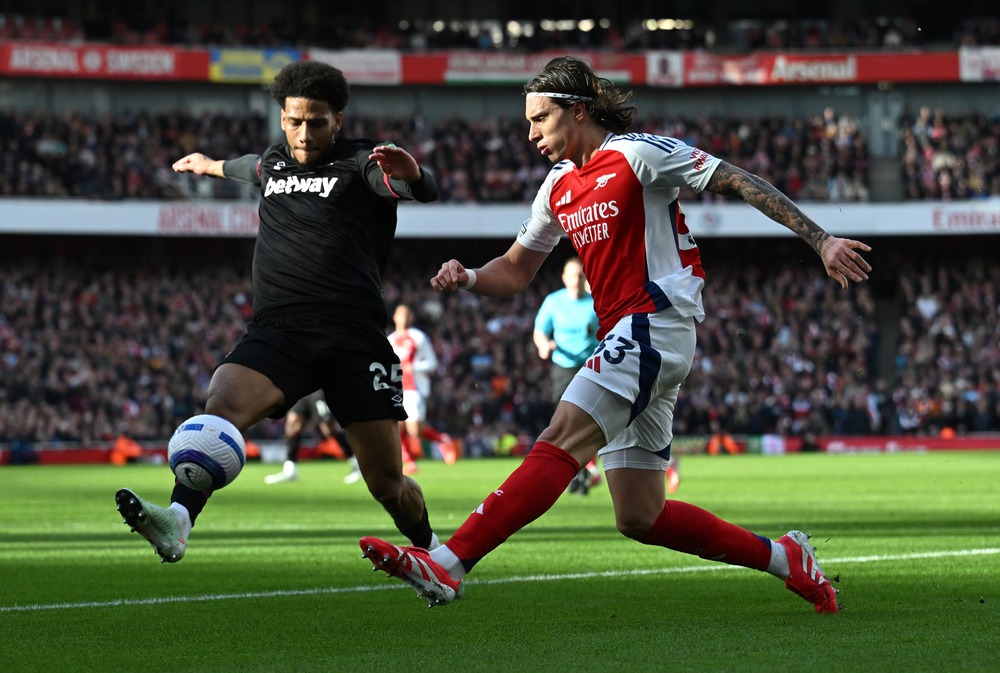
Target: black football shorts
x=347 y=355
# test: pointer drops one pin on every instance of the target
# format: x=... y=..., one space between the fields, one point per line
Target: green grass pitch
x=274 y=580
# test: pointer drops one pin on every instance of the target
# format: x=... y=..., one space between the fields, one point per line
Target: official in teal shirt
x=566 y=327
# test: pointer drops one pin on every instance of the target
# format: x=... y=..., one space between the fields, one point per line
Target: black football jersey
x=325 y=230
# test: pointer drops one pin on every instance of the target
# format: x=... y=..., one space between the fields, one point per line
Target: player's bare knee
x=634 y=525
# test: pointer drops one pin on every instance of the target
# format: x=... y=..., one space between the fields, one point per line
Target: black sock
x=341 y=438
x=193 y=500
x=420 y=534
x=294 y=442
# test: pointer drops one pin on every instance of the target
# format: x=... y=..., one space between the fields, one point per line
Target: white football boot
x=162 y=528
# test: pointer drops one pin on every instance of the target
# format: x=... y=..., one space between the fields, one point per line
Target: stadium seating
x=97 y=347
x=950 y=156
x=94 y=348
x=331 y=30
x=821 y=157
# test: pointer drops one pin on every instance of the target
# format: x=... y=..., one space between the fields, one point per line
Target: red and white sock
x=778 y=566
x=527 y=493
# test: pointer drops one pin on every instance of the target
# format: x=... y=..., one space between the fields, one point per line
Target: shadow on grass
x=264 y=535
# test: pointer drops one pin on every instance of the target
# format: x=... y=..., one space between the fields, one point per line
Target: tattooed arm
x=840 y=257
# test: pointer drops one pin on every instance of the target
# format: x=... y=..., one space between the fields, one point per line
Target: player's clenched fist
x=452 y=276
x=199 y=164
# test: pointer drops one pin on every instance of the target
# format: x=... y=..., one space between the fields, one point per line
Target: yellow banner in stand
x=249 y=66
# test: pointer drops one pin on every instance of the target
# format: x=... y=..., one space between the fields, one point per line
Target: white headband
x=567 y=96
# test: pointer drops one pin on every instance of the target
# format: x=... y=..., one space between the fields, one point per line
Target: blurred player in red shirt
x=416 y=355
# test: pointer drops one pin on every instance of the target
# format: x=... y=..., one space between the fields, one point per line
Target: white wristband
x=467 y=285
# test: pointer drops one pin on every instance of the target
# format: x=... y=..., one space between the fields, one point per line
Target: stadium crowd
x=117 y=157
x=816 y=158
x=334 y=30
x=948 y=358
x=93 y=348
x=821 y=157
x=950 y=156
x=781 y=351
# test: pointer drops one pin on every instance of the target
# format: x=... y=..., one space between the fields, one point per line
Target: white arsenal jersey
x=621 y=213
x=416 y=353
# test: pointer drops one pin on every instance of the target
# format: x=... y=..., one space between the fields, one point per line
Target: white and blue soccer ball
x=206 y=452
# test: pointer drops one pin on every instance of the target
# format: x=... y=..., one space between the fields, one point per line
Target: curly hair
x=312 y=80
x=575 y=77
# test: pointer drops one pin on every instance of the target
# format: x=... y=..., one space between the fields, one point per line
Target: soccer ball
x=206 y=452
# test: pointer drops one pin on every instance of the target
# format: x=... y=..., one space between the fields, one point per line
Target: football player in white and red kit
x=416 y=356
x=614 y=194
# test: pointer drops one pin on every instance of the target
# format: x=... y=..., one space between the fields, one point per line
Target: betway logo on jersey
x=290 y=185
x=814 y=70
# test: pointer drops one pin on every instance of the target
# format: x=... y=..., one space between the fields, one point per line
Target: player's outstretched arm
x=840 y=256
x=501 y=276
x=199 y=164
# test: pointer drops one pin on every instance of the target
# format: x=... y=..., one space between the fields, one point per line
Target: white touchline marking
x=506 y=580
x=196 y=599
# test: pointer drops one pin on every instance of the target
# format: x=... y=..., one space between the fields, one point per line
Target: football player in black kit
x=327 y=219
